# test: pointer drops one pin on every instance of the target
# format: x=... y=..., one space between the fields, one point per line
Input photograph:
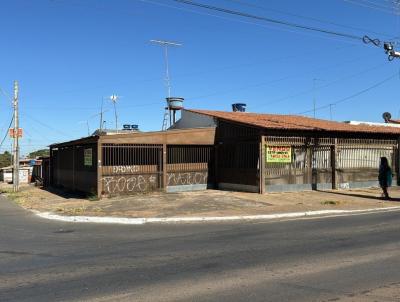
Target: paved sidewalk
x=210 y=203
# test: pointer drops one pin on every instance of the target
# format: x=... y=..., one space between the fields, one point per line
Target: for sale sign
x=279 y=154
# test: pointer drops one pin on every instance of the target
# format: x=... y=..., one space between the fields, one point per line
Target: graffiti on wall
x=187 y=178
x=129 y=183
x=124 y=169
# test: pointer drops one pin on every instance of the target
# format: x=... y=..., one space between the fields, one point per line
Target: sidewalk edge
x=140 y=221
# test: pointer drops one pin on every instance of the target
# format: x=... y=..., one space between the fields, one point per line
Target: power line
x=268 y=20
x=308 y=18
x=373 y=6
x=308 y=91
x=5 y=136
x=287 y=29
x=45 y=125
x=353 y=95
x=274 y=81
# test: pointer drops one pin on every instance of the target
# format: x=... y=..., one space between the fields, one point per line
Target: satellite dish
x=387 y=117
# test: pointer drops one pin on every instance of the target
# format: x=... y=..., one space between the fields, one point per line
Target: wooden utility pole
x=15 y=140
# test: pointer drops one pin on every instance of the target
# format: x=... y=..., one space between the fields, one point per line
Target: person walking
x=385 y=177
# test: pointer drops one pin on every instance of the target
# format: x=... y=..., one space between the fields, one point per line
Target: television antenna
x=114 y=98
x=87 y=125
x=167 y=114
x=314 y=97
x=165 y=44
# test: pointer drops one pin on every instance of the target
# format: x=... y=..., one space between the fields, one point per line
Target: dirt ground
x=200 y=203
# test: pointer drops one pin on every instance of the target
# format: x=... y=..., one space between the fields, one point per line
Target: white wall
x=194 y=120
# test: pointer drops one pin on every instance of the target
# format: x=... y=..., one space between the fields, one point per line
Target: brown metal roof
x=295 y=122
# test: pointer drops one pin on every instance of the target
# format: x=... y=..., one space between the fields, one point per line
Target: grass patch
x=75 y=211
x=92 y=197
x=330 y=203
x=6 y=191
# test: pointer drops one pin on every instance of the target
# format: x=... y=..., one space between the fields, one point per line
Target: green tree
x=38 y=153
x=5 y=159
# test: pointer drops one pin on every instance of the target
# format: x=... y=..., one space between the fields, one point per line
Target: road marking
x=139 y=221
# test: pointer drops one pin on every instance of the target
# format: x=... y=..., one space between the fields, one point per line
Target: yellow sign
x=279 y=154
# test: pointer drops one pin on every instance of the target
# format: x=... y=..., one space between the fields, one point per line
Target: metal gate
x=237 y=166
x=131 y=168
x=189 y=167
x=326 y=163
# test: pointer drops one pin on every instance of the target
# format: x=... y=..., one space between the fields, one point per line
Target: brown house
x=107 y=165
x=228 y=150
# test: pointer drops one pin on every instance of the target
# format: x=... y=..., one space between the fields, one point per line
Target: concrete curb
x=140 y=221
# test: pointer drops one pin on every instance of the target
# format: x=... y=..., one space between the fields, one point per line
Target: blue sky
x=68 y=54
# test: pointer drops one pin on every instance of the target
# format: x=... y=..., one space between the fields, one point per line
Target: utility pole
x=15 y=140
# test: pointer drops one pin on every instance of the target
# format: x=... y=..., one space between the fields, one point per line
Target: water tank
x=175 y=103
x=239 y=107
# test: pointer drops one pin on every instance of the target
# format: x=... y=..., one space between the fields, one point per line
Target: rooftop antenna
x=165 y=44
x=114 y=98
x=87 y=125
x=101 y=114
x=314 y=97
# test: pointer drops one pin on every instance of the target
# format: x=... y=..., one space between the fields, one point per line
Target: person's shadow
x=360 y=195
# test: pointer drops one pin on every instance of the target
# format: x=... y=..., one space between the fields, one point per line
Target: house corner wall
x=194 y=120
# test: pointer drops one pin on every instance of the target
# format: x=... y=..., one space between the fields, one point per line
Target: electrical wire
x=384 y=9
x=45 y=125
x=308 y=18
x=268 y=20
x=231 y=67
x=376 y=5
x=309 y=91
x=275 y=80
x=5 y=136
x=5 y=94
x=382 y=5
x=352 y=96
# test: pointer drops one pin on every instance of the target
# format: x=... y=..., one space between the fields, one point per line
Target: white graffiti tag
x=188 y=178
x=125 y=184
x=124 y=169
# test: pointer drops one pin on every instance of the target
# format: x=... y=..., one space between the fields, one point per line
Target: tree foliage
x=5 y=159
x=38 y=153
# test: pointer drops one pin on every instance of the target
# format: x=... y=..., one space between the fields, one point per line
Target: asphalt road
x=354 y=258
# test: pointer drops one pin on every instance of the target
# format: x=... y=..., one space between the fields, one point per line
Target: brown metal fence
x=139 y=168
x=237 y=163
x=131 y=168
x=190 y=165
x=70 y=169
x=324 y=163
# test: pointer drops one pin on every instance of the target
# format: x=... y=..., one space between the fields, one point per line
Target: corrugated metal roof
x=294 y=122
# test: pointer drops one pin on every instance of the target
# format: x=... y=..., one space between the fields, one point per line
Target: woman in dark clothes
x=385 y=176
